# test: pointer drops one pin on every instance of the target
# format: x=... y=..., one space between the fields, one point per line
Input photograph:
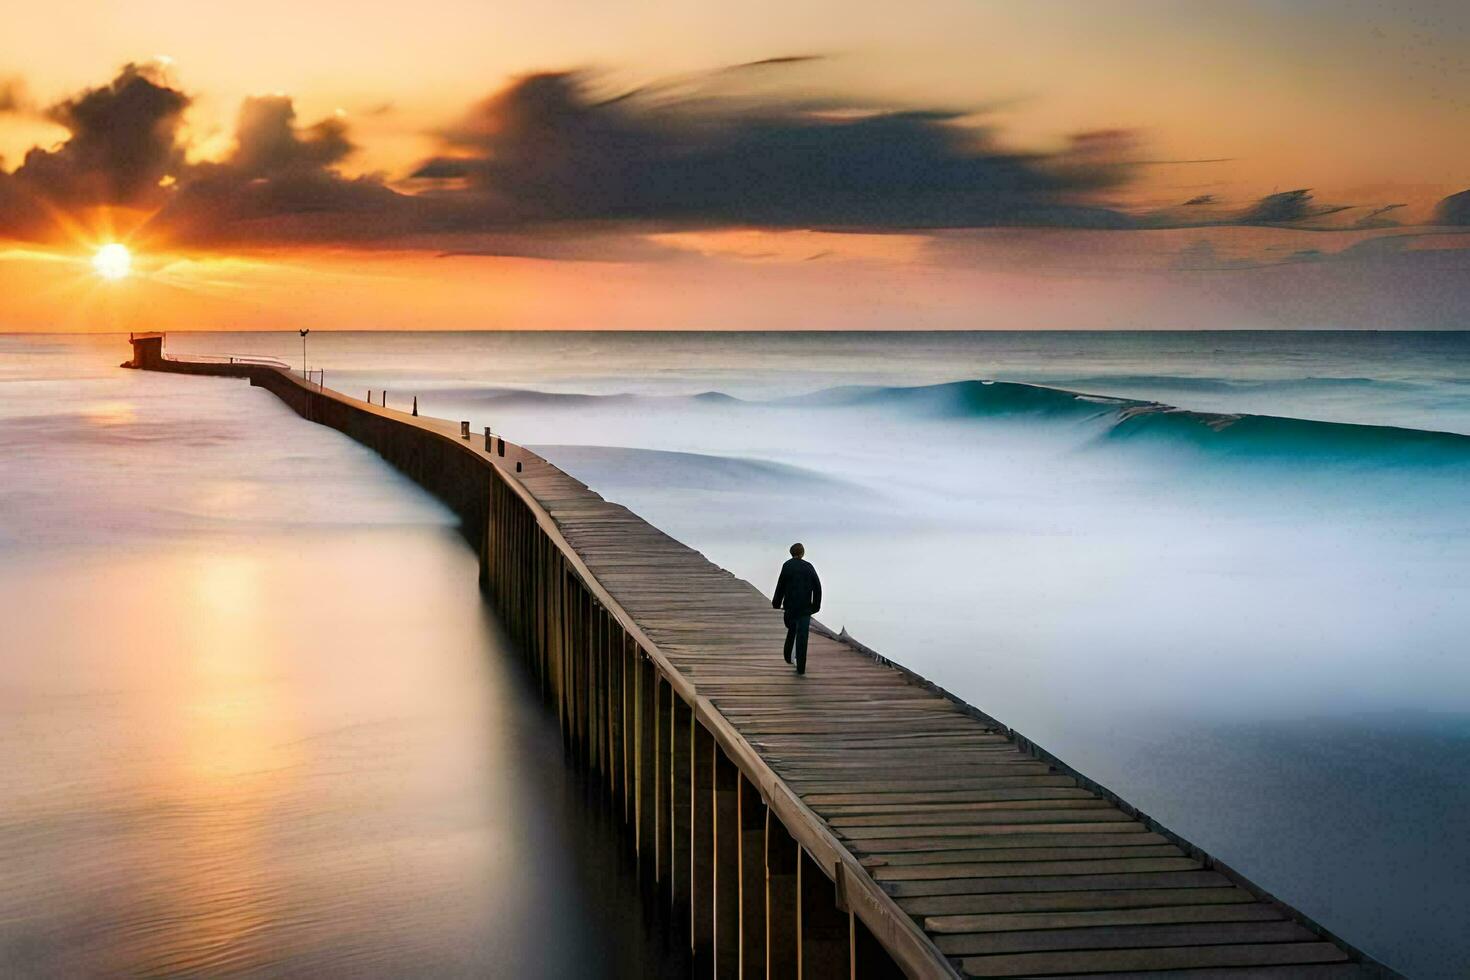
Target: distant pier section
x=855 y=822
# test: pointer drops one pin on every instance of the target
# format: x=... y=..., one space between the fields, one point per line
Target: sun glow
x=113 y=261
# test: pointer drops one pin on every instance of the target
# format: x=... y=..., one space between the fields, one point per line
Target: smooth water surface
x=257 y=719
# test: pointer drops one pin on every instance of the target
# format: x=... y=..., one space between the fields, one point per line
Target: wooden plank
x=1058 y=883
x=1020 y=869
x=1092 y=918
x=1303 y=971
x=1126 y=937
x=1001 y=854
x=1037 y=822
x=941 y=815
x=1171 y=958
x=1059 y=901
x=1024 y=838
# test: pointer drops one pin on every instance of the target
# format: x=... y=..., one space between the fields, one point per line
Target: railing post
x=727 y=865
x=662 y=770
x=679 y=829
x=487 y=428
x=781 y=913
x=752 y=881
x=415 y=405
x=702 y=864
x=644 y=703
x=824 y=934
x=464 y=430
x=870 y=961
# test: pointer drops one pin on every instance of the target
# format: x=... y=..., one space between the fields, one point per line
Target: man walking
x=799 y=593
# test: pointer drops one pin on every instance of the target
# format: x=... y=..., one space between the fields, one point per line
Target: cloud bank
x=549 y=162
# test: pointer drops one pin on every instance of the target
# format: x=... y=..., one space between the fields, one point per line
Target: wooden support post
x=679 y=822
x=630 y=732
x=752 y=881
x=643 y=754
x=415 y=405
x=569 y=673
x=464 y=426
x=870 y=961
x=663 y=772
x=613 y=651
x=824 y=934
x=727 y=865
x=702 y=841
x=781 y=915
x=584 y=683
x=590 y=685
x=487 y=428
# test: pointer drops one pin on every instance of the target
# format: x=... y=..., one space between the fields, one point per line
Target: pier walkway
x=857 y=821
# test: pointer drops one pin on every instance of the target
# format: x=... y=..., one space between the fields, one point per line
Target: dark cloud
x=1454 y=210
x=268 y=142
x=548 y=149
x=279 y=184
x=123 y=142
x=1286 y=207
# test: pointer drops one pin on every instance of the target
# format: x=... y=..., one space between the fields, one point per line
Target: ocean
x=1223 y=574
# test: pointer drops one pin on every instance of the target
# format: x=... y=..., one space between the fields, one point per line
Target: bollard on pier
x=464 y=430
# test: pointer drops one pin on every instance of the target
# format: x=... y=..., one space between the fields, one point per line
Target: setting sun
x=112 y=261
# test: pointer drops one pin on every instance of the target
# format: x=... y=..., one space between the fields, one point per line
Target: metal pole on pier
x=303 y=351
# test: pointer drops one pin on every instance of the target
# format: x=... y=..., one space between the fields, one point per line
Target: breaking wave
x=1113 y=419
x=1135 y=420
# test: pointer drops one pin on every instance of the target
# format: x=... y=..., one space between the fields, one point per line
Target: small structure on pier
x=147 y=351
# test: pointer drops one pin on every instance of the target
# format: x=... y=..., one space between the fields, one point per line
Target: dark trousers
x=797 y=625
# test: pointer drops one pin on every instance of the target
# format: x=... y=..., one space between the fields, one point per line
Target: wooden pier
x=855 y=822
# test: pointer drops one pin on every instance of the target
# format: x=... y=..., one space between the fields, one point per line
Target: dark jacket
x=798 y=590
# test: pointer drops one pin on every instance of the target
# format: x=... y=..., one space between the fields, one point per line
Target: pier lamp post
x=303 y=351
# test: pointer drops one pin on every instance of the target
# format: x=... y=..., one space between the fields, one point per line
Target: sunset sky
x=938 y=164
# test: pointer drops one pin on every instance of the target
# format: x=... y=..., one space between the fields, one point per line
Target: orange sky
x=1365 y=104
